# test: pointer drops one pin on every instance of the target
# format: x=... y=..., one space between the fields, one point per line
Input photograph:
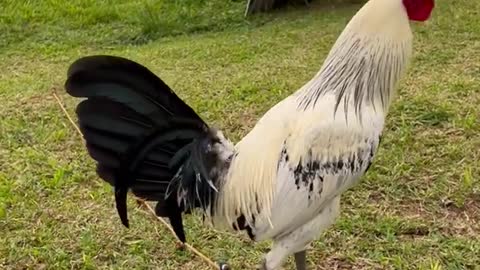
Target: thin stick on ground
x=142 y=202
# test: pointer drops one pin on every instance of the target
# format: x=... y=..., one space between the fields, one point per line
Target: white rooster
x=283 y=181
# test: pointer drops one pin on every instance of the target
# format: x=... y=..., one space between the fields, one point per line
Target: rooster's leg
x=301 y=260
x=296 y=242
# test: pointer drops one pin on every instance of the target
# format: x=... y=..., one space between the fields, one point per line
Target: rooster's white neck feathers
x=366 y=62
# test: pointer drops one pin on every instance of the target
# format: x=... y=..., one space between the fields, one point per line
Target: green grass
x=418 y=207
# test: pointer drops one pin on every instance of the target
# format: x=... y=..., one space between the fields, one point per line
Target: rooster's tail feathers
x=143 y=137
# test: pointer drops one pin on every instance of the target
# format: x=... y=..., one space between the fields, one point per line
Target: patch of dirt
x=449 y=218
x=464 y=220
x=340 y=263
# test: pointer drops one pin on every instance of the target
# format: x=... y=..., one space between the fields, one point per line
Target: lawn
x=417 y=208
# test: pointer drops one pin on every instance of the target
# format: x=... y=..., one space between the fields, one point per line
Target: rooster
x=284 y=180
